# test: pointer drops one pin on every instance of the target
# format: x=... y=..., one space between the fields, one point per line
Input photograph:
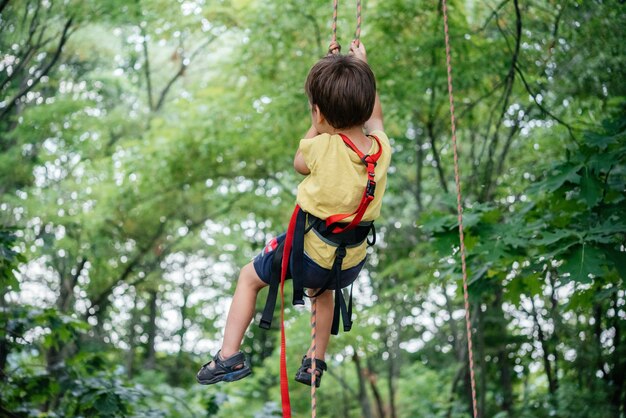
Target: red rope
x=459 y=212
x=284 y=383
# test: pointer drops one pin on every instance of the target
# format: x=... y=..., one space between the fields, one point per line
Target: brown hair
x=344 y=89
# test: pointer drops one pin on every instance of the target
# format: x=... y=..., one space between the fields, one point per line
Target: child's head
x=344 y=89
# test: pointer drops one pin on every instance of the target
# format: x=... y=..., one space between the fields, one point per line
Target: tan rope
x=313 y=357
x=357 y=33
x=334 y=47
x=459 y=211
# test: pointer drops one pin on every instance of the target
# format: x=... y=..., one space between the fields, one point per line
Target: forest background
x=146 y=154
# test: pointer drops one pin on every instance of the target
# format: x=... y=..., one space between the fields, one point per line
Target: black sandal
x=303 y=376
x=224 y=370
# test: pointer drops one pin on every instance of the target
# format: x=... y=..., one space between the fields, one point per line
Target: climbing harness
x=289 y=260
x=459 y=212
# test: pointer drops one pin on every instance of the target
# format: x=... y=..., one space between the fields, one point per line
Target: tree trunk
x=503 y=354
x=151 y=329
x=132 y=338
x=180 y=366
x=556 y=319
x=393 y=370
x=4 y=354
x=4 y=343
x=597 y=332
x=454 y=329
x=371 y=377
x=55 y=356
x=544 y=347
x=619 y=364
x=363 y=398
x=480 y=348
x=419 y=160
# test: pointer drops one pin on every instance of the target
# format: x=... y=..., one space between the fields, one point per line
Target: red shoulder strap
x=368 y=194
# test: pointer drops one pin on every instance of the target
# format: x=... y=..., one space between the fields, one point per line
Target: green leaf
x=437 y=222
x=609 y=228
x=619 y=260
x=600 y=141
x=590 y=188
x=605 y=293
x=444 y=243
x=478 y=274
x=549 y=238
x=566 y=173
x=107 y=404
x=584 y=261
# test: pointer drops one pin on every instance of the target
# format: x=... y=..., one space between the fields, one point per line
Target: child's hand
x=357 y=49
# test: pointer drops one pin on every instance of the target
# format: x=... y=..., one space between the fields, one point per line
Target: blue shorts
x=314 y=276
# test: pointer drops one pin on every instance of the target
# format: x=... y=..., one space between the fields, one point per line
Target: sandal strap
x=319 y=364
x=230 y=362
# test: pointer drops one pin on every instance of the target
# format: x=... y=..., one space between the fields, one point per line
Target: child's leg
x=229 y=365
x=241 y=309
x=324 y=322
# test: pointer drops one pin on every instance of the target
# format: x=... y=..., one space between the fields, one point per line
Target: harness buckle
x=367 y=161
x=370 y=188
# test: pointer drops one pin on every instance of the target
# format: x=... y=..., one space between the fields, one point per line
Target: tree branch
x=546 y=111
x=507 y=146
x=3 y=4
x=98 y=300
x=509 y=80
x=184 y=63
x=64 y=37
x=343 y=383
x=146 y=66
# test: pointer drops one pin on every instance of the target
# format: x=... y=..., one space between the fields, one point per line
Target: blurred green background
x=146 y=154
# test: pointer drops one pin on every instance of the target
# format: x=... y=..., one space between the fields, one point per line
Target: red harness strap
x=368 y=193
x=284 y=383
x=368 y=196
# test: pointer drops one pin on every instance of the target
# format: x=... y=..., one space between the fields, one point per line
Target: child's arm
x=298 y=161
x=375 y=122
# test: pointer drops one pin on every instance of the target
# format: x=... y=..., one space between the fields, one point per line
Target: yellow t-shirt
x=335 y=185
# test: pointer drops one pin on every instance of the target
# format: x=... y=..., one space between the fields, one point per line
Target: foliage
x=146 y=154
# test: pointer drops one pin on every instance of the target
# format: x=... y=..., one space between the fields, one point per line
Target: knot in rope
x=334 y=48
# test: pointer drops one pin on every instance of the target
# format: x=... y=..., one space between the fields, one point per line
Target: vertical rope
x=313 y=357
x=334 y=47
x=459 y=211
x=357 y=33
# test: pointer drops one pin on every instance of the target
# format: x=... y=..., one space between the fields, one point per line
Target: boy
x=343 y=100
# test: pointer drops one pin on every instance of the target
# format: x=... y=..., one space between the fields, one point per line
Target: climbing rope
x=459 y=212
x=334 y=47
x=357 y=32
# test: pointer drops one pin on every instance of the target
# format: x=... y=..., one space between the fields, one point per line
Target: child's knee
x=325 y=296
x=248 y=277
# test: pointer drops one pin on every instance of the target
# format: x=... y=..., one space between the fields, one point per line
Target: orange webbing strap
x=460 y=213
x=284 y=383
x=368 y=193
